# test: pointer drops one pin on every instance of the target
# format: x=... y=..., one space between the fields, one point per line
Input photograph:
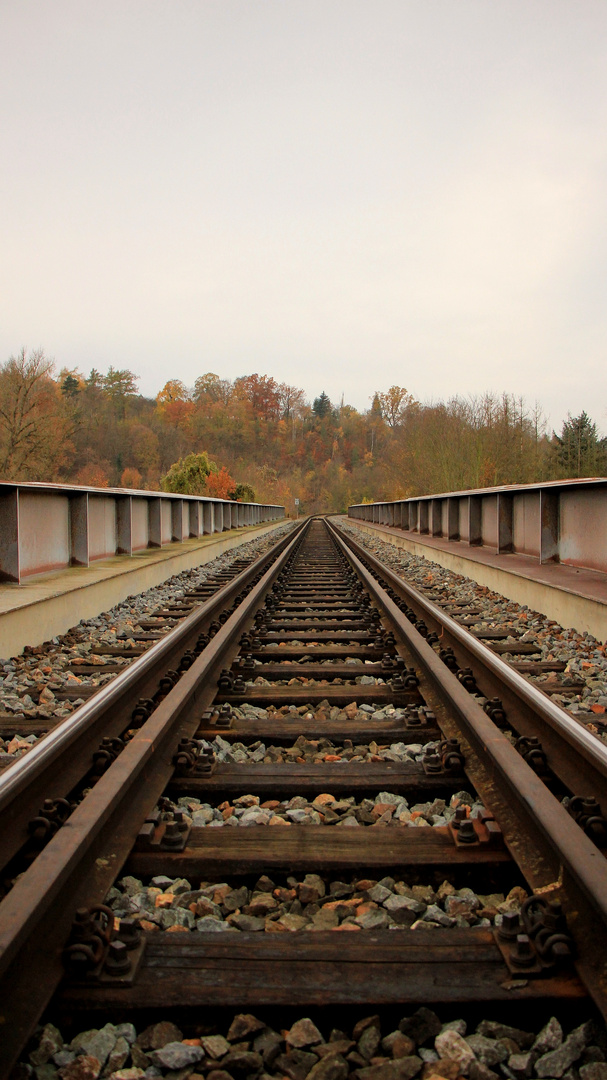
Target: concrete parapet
x=53 y=602
x=51 y=526
x=574 y=597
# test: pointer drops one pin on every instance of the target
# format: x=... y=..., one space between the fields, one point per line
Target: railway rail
x=315 y=646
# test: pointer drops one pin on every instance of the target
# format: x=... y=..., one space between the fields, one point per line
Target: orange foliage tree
x=220 y=485
x=92 y=476
x=131 y=478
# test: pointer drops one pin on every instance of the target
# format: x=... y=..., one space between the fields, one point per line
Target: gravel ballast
x=585 y=657
x=246 y=1047
x=311 y=902
x=385 y=808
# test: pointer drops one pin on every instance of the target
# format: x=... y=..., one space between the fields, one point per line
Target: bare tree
x=33 y=425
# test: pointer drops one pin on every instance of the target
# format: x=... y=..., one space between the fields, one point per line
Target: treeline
x=255 y=436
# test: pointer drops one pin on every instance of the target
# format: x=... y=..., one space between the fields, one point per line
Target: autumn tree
x=210 y=389
x=243 y=493
x=131 y=478
x=143 y=452
x=291 y=400
x=94 y=475
x=263 y=394
x=34 y=429
x=174 y=403
x=120 y=387
x=189 y=475
x=376 y=423
x=394 y=404
x=220 y=485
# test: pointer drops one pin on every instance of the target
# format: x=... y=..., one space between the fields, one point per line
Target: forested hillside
x=263 y=438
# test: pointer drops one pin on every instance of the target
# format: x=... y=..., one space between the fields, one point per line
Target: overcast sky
x=344 y=194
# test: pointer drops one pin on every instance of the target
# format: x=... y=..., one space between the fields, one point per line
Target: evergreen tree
x=70 y=386
x=579 y=449
x=322 y=405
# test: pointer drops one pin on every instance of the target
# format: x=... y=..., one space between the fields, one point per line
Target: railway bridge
x=316 y=799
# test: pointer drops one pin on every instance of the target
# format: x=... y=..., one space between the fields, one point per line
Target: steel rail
x=58 y=762
x=85 y=856
x=575 y=859
x=528 y=709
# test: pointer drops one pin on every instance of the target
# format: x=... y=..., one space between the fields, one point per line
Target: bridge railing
x=51 y=526
x=559 y=521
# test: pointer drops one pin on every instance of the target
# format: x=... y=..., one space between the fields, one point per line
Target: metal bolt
x=466 y=833
x=129 y=933
x=511 y=925
x=172 y=835
x=117 y=960
x=523 y=955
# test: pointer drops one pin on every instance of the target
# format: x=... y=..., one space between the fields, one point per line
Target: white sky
x=344 y=194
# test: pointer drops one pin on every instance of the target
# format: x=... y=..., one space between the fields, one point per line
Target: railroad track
x=318 y=700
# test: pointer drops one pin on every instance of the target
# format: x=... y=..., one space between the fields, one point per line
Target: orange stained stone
x=149 y=927
x=366 y=907
x=351 y=902
x=324 y=799
x=177 y=929
x=270 y=804
x=332 y=757
x=164 y=900
x=597 y=709
x=284 y=895
x=192 y=1042
x=17 y=744
x=227 y=812
x=446 y=1068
